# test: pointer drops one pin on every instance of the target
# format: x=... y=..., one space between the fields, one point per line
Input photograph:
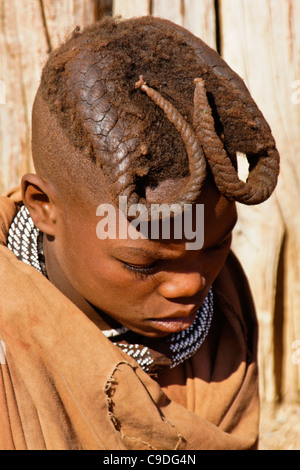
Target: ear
x=38 y=198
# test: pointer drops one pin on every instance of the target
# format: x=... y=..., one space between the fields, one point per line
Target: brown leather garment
x=64 y=385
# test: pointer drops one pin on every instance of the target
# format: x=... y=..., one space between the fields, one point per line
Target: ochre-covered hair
x=147 y=101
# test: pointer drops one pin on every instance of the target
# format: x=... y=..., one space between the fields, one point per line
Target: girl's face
x=154 y=287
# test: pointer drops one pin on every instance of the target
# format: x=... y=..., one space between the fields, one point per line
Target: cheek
x=77 y=250
x=213 y=261
x=90 y=268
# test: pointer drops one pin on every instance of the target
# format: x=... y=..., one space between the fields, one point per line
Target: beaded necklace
x=25 y=241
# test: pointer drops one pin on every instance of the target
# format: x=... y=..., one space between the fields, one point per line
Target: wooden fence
x=260 y=40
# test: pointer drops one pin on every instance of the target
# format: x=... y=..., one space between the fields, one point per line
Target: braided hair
x=147 y=101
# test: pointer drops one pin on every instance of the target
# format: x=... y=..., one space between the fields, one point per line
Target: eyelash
x=148 y=272
x=142 y=273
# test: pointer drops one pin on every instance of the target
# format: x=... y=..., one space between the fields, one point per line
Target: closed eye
x=147 y=270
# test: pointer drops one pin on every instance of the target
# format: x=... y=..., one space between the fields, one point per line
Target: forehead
x=217 y=208
x=213 y=222
x=218 y=221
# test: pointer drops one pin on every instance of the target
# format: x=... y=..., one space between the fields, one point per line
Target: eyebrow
x=158 y=254
x=125 y=250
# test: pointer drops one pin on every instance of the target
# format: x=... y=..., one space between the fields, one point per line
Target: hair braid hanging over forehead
x=90 y=85
x=262 y=177
x=197 y=163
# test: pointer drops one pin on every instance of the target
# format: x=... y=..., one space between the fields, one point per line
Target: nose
x=180 y=284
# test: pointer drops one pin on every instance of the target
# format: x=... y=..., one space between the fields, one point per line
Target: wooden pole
x=128 y=9
x=261 y=41
x=29 y=30
x=197 y=16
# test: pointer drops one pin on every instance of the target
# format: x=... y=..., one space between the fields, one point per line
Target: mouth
x=175 y=324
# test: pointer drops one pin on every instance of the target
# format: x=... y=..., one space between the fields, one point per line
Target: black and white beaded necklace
x=25 y=241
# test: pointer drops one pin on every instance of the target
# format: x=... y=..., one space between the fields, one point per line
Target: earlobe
x=36 y=195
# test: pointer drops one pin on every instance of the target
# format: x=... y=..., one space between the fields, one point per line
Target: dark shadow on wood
x=218 y=27
x=103 y=8
x=278 y=322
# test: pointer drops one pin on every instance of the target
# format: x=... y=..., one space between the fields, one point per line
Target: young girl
x=117 y=332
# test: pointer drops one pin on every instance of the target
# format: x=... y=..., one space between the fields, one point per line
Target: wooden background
x=260 y=40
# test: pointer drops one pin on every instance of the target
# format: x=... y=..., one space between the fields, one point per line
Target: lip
x=175 y=324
